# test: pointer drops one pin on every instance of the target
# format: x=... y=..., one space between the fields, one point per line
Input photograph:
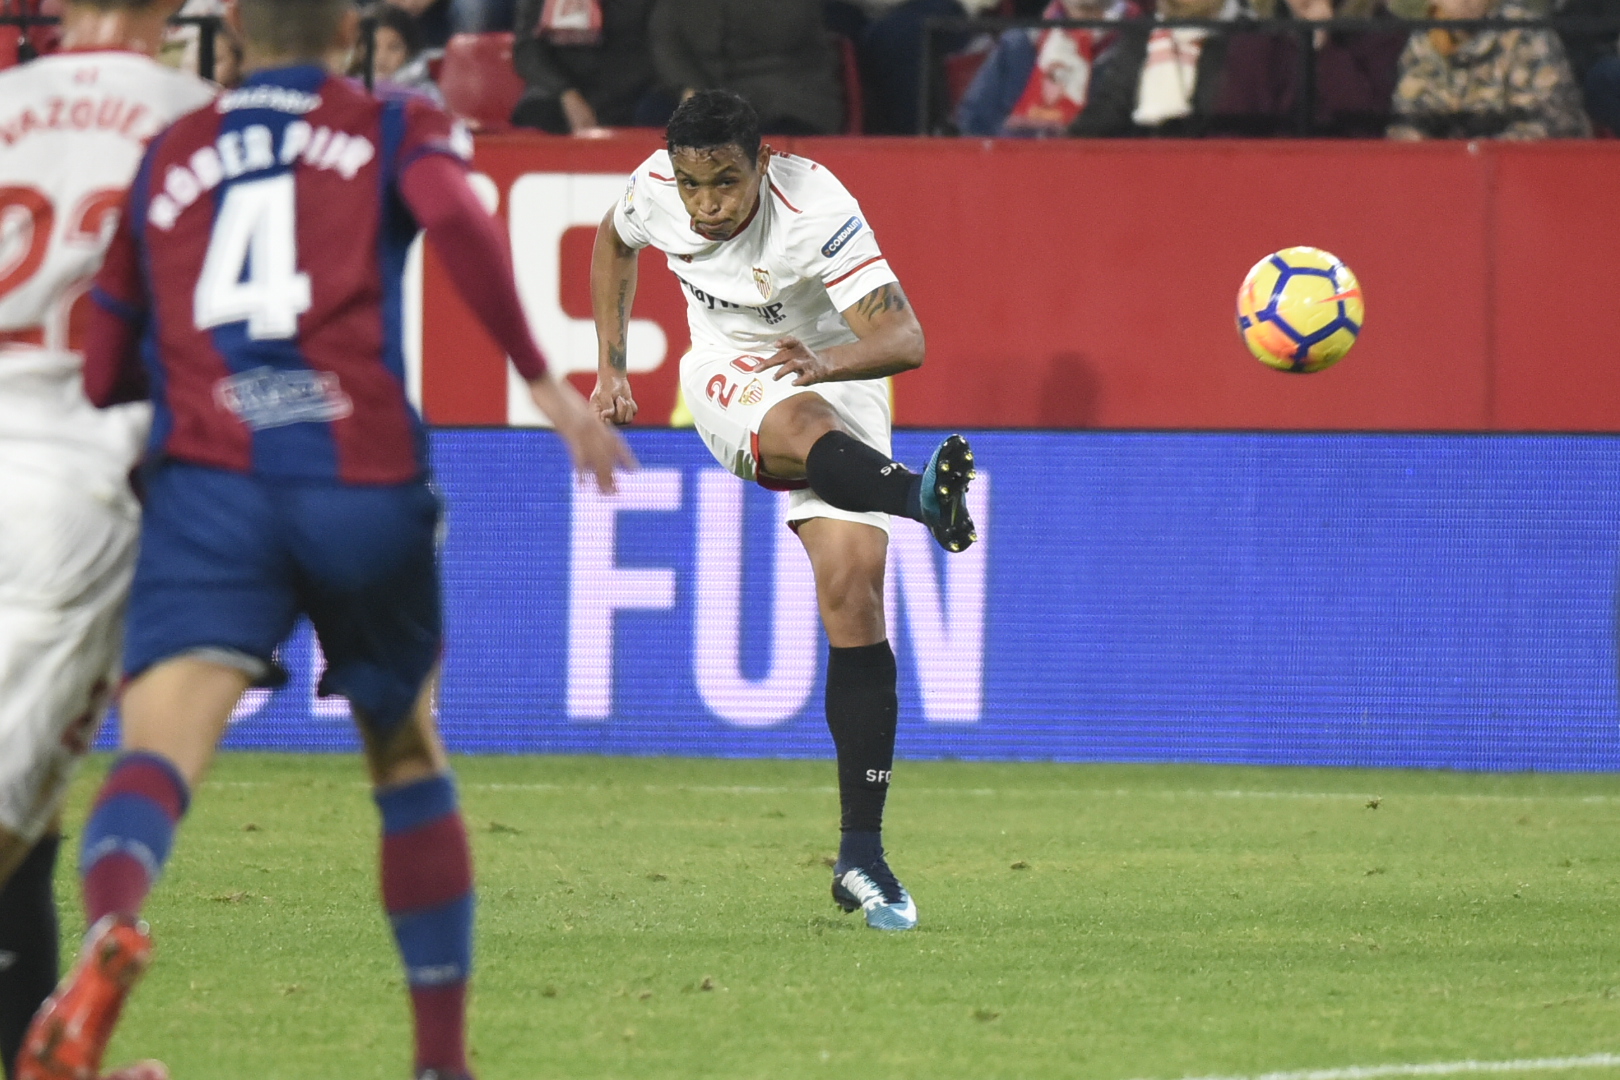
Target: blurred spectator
x=1035 y=82
x=586 y=66
x=1594 y=61
x=1355 y=74
x=891 y=56
x=775 y=53
x=397 y=58
x=1160 y=80
x=433 y=20
x=1507 y=84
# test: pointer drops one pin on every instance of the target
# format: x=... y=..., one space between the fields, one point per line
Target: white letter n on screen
x=598 y=586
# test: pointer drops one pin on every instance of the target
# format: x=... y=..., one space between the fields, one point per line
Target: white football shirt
x=807 y=254
x=72 y=130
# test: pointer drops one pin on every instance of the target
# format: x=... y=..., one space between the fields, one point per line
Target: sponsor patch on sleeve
x=846 y=232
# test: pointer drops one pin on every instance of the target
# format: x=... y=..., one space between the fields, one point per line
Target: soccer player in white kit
x=72 y=129
x=796 y=321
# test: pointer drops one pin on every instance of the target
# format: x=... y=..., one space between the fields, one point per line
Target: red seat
x=479 y=83
x=849 y=69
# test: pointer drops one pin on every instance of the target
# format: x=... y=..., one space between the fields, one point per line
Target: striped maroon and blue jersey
x=263 y=252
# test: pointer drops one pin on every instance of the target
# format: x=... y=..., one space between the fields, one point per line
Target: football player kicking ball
x=796 y=319
x=253 y=292
x=72 y=129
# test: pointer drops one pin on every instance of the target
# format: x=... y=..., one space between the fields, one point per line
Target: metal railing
x=932 y=118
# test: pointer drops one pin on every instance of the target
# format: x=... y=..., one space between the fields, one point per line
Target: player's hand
x=794 y=357
x=596 y=448
x=611 y=400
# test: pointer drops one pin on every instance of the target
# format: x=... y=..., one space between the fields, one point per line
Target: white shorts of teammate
x=68 y=529
x=729 y=396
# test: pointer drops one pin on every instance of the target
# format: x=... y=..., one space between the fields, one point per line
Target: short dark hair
x=710 y=119
x=292 y=27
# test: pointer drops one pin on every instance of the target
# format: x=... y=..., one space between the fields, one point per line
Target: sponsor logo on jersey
x=267 y=398
x=630 y=200
x=251 y=150
x=845 y=233
x=762 y=280
x=753 y=393
x=274 y=98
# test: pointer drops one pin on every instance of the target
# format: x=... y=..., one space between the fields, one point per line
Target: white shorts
x=68 y=534
x=729 y=401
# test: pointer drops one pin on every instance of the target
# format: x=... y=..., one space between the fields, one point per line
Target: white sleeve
x=836 y=245
x=630 y=212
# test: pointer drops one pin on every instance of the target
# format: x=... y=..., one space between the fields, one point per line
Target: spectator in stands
x=1160 y=80
x=891 y=56
x=397 y=58
x=433 y=20
x=1354 y=75
x=1594 y=61
x=587 y=64
x=1035 y=82
x=1507 y=84
x=775 y=53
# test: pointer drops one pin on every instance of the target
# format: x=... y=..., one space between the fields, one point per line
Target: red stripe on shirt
x=778 y=192
x=858 y=269
x=665 y=179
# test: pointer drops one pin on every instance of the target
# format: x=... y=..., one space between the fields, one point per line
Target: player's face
x=719 y=186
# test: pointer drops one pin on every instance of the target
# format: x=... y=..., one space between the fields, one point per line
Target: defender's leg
x=848 y=559
x=803 y=437
x=173 y=716
x=28 y=940
x=427 y=882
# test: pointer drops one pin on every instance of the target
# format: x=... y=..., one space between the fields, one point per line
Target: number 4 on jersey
x=251 y=271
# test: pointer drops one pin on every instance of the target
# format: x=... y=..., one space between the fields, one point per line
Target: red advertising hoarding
x=1091 y=284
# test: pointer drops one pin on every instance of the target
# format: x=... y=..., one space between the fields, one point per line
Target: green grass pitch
x=657 y=918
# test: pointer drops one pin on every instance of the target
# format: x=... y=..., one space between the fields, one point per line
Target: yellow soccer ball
x=1300 y=310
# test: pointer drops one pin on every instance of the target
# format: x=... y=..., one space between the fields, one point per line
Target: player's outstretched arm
x=891 y=341
x=112 y=366
x=613 y=293
x=474 y=251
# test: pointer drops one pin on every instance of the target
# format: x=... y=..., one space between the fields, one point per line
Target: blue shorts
x=229 y=561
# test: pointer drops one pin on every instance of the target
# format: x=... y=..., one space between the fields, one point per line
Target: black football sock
x=28 y=947
x=852 y=476
x=862 y=708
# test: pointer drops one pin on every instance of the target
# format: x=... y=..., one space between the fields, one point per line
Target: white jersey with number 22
x=72 y=129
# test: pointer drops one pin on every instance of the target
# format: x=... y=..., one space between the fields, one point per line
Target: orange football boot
x=71 y=1030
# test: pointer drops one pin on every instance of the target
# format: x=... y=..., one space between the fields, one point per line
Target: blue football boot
x=944 y=494
x=877 y=892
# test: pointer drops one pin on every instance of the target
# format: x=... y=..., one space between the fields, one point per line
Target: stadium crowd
x=855 y=66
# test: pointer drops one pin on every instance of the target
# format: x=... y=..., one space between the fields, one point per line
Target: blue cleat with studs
x=944 y=494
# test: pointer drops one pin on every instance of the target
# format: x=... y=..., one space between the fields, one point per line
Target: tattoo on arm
x=878 y=301
x=616 y=353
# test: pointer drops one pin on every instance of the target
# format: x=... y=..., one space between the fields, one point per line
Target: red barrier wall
x=1092 y=284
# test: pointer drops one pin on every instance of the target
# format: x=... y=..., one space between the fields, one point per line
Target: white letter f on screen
x=599 y=586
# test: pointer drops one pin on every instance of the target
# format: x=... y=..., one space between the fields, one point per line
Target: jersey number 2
x=250 y=273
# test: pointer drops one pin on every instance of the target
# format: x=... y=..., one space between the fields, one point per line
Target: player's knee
x=792 y=427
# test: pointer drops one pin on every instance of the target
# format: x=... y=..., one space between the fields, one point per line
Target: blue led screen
x=1436 y=601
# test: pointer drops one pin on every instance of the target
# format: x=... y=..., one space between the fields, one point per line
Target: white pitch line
x=1121 y=793
x=1436 y=1068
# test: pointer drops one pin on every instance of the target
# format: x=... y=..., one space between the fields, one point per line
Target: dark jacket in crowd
x=1117 y=74
x=612 y=75
x=1583 y=47
x=775 y=53
x=1354 y=78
